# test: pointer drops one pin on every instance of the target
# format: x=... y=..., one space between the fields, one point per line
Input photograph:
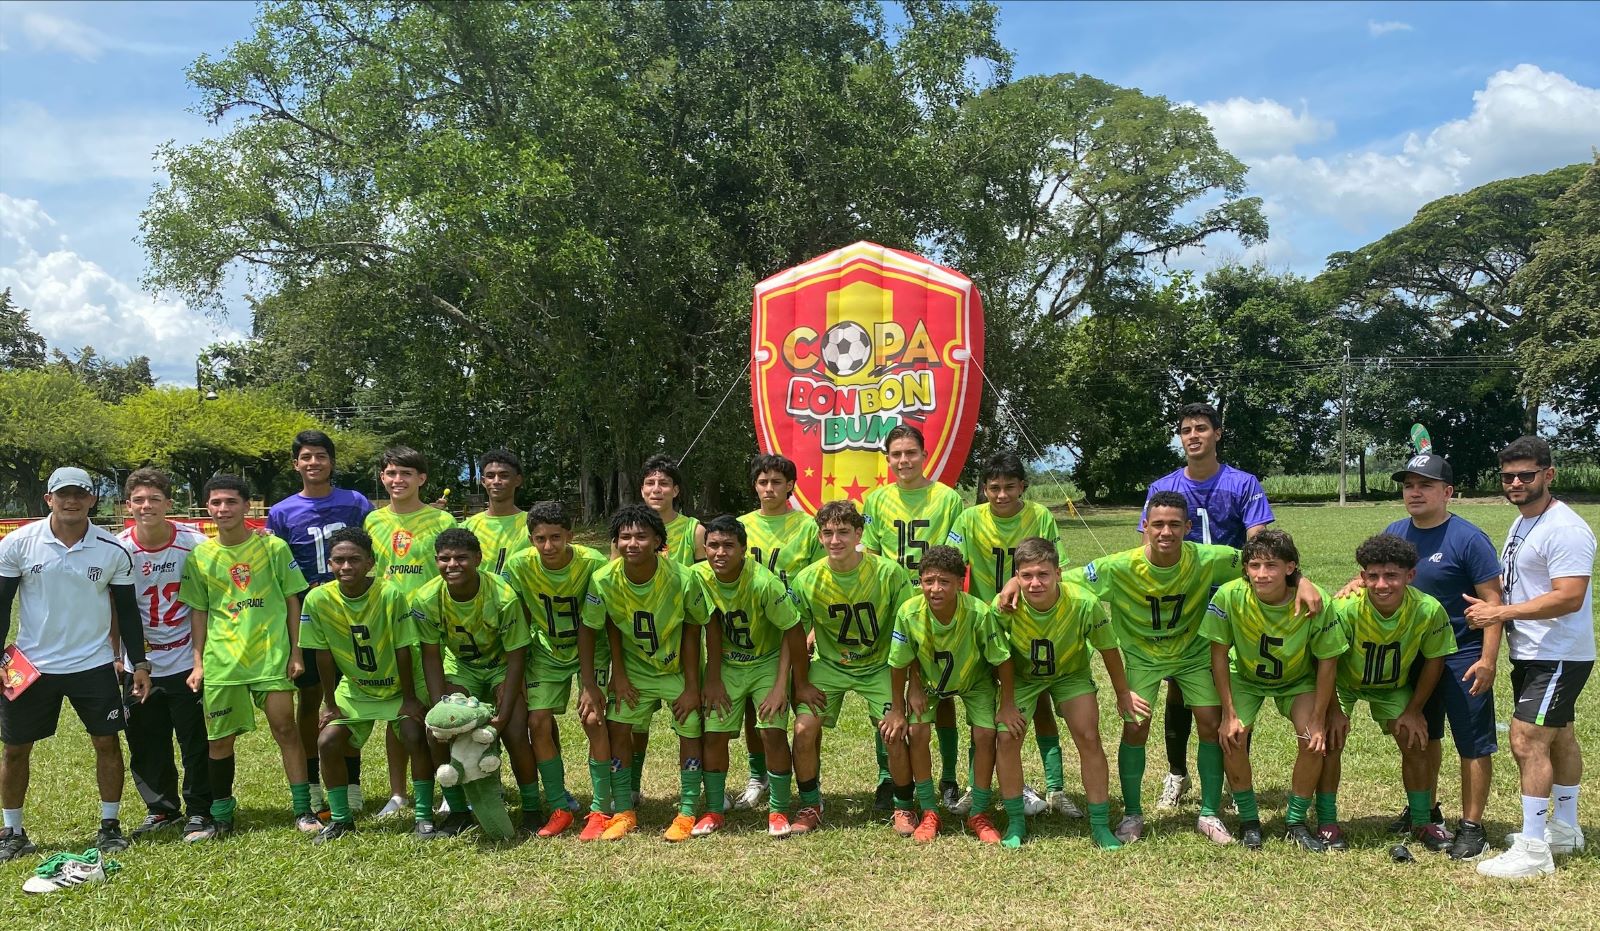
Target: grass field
x=856 y=873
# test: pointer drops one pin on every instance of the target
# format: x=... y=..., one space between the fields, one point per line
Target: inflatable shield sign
x=853 y=343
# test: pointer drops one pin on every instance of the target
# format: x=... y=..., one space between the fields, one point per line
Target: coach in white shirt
x=1546 y=567
x=64 y=566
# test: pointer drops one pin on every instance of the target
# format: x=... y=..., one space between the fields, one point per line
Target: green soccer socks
x=1130 y=771
x=1209 y=757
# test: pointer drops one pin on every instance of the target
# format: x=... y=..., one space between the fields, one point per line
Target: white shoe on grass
x=1033 y=804
x=1060 y=803
x=394 y=807
x=1172 y=789
x=1526 y=858
x=1562 y=837
x=1130 y=828
x=751 y=796
x=66 y=871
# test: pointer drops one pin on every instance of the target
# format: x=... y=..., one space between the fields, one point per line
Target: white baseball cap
x=69 y=477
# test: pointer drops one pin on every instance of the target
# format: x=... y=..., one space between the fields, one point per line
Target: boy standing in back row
x=903 y=519
x=1226 y=506
x=307 y=521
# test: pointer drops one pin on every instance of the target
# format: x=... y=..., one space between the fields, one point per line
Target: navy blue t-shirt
x=1452 y=559
x=307 y=523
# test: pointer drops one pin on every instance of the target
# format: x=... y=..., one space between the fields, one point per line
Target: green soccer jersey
x=680 y=539
x=989 y=543
x=754 y=611
x=554 y=598
x=476 y=633
x=784 y=544
x=649 y=617
x=1271 y=648
x=403 y=545
x=1054 y=644
x=1382 y=649
x=1156 y=612
x=954 y=656
x=363 y=635
x=500 y=537
x=852 y=613
x=244 y=590
x=903 y=524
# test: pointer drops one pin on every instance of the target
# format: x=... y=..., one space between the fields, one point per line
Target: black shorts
x=311 y=676
x=1546 y=690
x=33 y=715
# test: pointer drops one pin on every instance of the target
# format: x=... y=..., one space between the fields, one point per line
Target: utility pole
x=1344 y=417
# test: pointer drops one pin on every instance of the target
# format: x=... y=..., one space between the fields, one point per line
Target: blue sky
x=1350 y=115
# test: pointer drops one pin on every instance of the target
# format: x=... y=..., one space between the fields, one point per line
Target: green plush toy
x=474 y=765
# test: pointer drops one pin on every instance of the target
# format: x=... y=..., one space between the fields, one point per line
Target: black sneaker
x=1401 y=825
x=454 y=823
x=14 y=843
x=1301 y=836
x=883 y=799
x=1250 y=835
x=950 y=795
x=156 y=821
x=109 y=838
x=425 y=830
x=334 y=830
x=1470 y=842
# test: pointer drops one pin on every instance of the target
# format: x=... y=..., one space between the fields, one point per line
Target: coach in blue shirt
x=1456 y=558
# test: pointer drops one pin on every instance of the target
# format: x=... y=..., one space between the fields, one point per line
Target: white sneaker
x=1033 y=804
x=963 y=804
x=1526 y=858
x=751 y=797
x=69 y=871
x=394 y=807
x=1060 y=803
x=1214 y=830
x=1562 y=837
x=1172 y=789
x=1130 y=828
x=356 y=798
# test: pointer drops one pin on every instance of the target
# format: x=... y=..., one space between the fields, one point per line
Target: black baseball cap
x=1427 y=465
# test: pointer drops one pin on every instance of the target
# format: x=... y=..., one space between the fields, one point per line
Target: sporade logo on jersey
x=240 y=574
x=851 y=344
x=400 y=542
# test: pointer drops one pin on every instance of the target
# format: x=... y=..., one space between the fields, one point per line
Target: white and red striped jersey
x=156 y=574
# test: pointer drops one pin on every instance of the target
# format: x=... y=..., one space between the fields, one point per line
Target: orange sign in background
x=850 y=344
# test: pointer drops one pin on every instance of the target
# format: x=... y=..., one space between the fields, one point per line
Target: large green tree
x=50 y=418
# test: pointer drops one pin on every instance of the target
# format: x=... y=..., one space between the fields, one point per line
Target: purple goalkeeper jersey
x=1221 y=508
x=307 y=523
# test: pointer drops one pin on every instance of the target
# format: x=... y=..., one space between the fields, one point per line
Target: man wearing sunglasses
x=1546 y=567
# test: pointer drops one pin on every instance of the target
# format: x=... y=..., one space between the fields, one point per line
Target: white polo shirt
x=1555 y=545
x=66 y=610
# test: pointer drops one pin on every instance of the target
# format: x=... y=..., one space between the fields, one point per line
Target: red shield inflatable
x=849 y=345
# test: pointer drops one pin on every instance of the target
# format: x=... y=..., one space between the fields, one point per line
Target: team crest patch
x=400 y=542
x=94 y=573
x=240 y=574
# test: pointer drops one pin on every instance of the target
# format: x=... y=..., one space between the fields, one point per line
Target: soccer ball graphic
x=846 y=349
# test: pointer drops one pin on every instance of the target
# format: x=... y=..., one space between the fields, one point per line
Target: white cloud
x=1376 y=28
x=38 y=146
x=1524 y=120
x=75 y=302
x=1262 y=127
x=47 y=31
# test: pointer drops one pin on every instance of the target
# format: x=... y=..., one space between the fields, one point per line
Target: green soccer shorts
x=978 y=703
x=360 y=714
x=1249 y=697
x=1061 y=689
x=1193 y=676
x=231 y=709
x=479 y=683
x=752 y=682
x=1384 y=704
x=872 y=684
x=551 y=690
x=655 y=689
